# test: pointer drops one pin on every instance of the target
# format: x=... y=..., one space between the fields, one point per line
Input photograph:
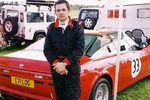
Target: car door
x=135 y=63
x=108 y=51
x=147 y=51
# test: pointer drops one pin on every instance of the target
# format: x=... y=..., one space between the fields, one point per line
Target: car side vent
x=108 y=49
x=122 y=48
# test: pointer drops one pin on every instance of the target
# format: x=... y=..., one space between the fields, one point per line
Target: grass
x=137 y=91
x=9 y=49
x=74 y=13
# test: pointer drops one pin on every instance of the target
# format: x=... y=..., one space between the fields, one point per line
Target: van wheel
x=39 y=37
x=101 y=90
x=89 y=23
x=10 y=26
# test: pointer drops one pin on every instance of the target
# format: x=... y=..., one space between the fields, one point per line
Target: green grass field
x=74 y=13
x=9 y=49
x=137 y=91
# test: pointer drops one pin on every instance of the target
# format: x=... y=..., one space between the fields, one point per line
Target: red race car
x=26 y=74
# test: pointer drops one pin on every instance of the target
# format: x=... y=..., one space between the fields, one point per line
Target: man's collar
x=69 y=23
x=64 y=23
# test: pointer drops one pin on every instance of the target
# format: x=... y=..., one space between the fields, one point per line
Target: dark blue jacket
x=68 y=43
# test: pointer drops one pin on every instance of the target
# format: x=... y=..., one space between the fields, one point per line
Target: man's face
x=62 y=12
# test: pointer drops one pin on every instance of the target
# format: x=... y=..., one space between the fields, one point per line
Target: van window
x=12 y=13
x=110 y=13
x=124 y=13
x=143 y=13
x=117 y=13
x=35 y=17
x=21 y=17
x=50 y=18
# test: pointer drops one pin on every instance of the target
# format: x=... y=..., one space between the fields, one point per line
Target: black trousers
x=67 y=87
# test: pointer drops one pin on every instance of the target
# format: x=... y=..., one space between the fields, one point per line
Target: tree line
x=78 y=7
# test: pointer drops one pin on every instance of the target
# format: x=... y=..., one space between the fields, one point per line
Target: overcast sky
x=82 y=2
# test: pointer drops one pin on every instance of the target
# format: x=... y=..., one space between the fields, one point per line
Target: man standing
x=64 y=45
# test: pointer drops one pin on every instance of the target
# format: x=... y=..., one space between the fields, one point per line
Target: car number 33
x=136 y=66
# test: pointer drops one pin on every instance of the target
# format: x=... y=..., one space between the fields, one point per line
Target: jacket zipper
x=63 y=31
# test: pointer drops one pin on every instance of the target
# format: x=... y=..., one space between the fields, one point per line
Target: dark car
x=89 y=17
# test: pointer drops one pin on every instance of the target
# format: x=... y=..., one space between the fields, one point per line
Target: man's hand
x=60 y=68
x=63 y=72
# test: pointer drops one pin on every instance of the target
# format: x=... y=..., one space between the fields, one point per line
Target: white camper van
x=26 y=22
x=135 y=15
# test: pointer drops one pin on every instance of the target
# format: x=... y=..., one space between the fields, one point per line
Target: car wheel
x=10 y=26
x=39 y=37
x=89 y=23
x=101 y=90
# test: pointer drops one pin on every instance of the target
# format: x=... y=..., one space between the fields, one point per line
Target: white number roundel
x=136 y=66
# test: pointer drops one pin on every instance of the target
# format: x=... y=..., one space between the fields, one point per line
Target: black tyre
x=16 y=43
x=10 y=26
x=38 y=37
x=89 y=23
x=101 y=90
x=27 y=43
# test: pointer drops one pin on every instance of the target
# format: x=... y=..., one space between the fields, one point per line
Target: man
x=64 y=45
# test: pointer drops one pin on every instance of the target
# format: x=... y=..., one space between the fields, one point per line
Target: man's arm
x=51 y=58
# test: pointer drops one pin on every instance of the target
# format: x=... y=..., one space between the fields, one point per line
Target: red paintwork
x=90 y=73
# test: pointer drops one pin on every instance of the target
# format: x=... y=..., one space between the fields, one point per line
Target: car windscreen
x=83 y=14
x=88 y=40
x=95 y=42
x=92 y=43
x=39 y=45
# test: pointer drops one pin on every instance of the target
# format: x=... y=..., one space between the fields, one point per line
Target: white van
x=135 y=15
x=26 y=22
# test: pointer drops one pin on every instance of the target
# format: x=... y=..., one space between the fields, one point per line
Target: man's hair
x=61 y=2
